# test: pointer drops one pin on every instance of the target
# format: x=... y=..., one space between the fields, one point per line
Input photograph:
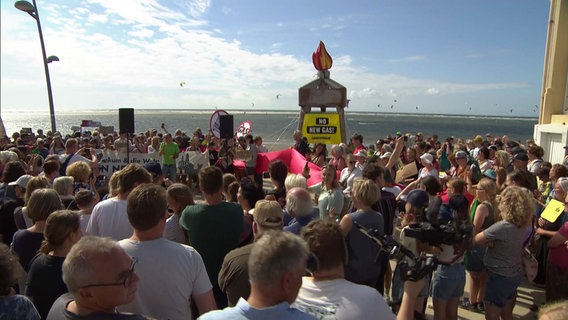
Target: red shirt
x=559 y=255
x=361 y=147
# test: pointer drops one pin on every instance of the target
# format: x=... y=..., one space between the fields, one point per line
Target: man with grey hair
x=275 y=267
x=300 y=206
x=233 y=277
x=100 y=277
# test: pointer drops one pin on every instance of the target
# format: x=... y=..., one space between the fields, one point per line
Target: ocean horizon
x=277 y=126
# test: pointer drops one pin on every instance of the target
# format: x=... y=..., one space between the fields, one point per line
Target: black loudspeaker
x=126 y=120
x=226 y=127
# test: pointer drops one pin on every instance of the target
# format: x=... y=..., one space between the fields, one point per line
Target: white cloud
x=142 y=33
x=408 y=59
x=97 y=18
x=432 y=91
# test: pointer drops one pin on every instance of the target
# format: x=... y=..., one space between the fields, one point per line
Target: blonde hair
x=517 y=206
x=113 y=184
x=80 y=171
x=365 y=191
x=295 y=180
x=555 y=310
x=34 y=184
x=490 y=188
x=503 y=157
x=63 y=184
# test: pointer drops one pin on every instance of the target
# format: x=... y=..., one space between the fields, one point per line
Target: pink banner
x=292 y=158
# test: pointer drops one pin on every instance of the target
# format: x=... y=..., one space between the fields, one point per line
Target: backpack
x=64 y=165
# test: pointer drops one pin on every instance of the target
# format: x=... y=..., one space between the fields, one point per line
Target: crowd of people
x=142 y=245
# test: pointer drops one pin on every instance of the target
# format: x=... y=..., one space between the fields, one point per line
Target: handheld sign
x=552 y=210
x=215 y=122
x=244 y=128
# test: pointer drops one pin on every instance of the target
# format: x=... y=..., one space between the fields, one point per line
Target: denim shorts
x=499 y=289
x=448 y=282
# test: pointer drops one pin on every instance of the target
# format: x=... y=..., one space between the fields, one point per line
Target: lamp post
x=31 y=9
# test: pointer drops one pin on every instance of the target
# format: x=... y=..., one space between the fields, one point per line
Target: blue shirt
x=243 y=311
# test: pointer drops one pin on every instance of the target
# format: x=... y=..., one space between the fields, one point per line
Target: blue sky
x=439 y=56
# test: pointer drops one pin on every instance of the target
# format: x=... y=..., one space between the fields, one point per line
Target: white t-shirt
x=74 y=158
x=109 y=219
x=341 y=299
x=347 y=178
x=170 y=273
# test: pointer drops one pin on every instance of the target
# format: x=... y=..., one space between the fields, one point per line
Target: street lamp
x=31 y=9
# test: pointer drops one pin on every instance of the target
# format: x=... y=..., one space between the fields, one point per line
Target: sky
x=481 y=57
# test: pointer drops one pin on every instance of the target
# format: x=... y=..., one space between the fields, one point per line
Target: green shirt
x=213 y=231
x=171 y=150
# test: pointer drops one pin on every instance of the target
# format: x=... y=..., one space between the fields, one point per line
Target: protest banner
x=188 y=162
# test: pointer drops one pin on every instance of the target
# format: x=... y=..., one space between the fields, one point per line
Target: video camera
x=418 y=268
x=444 y=224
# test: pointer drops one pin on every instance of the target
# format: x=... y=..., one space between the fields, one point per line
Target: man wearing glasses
x=100 y=277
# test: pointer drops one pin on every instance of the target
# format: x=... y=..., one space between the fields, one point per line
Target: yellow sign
x=322 y=127
x=553 y=209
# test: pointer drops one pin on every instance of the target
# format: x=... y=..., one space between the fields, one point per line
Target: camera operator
x=449 y=279
x=416 y=203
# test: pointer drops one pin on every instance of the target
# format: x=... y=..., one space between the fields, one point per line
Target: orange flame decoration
x=321 y=59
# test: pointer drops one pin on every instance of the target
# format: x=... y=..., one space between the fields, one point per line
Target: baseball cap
x=521 y=156
x=461 y=154
x=154 y=168
x=418 y=198
x=22 y=181
x=427 y=158
x=491 y=174
x=268 y=213
x=419 y=134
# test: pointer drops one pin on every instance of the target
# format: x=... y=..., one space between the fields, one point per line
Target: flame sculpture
x=321 y=59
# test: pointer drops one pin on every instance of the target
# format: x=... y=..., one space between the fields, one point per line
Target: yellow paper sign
x=322 y=127
x=552 y=210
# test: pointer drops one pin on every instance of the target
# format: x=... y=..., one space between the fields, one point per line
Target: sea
x=277 y=127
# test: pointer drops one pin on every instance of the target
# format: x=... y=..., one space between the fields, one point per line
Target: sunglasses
x=125 y=282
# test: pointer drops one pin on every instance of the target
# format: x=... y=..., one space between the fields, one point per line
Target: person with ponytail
x=45 y=283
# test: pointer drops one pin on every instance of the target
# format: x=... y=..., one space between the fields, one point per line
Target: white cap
x=22 y=181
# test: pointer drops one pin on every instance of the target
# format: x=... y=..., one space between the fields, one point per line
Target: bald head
x=299 y=202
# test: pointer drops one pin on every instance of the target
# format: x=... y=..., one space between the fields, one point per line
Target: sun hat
x=427 y=158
